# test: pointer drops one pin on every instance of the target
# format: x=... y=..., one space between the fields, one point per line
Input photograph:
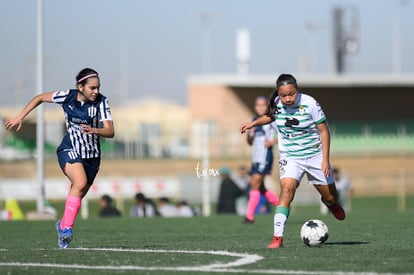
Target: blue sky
x=164 y=41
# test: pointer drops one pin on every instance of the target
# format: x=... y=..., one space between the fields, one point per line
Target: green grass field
x=375 y=238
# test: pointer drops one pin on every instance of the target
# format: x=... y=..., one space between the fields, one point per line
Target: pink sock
x=271 y=197
x=254 y=198
x=71 y=211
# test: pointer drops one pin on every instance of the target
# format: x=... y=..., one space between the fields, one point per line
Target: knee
x=255 y=183
x=79 y=188
x=255 y=186
x=287 y=193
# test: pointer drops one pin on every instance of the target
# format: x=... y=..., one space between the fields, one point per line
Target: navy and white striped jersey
x=261 y=134
x=91 y=113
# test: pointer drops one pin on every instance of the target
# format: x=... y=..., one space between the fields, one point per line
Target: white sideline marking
x=243 y=259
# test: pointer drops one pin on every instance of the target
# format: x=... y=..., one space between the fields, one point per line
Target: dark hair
x=107 y=198
x=182 y=203
x=140 y=197
x=85 y=74
x=165 y=199
x=283 y=79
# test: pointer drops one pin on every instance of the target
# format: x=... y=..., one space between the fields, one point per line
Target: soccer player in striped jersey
x=88 y=117
x=304 y=145
x=262 y=138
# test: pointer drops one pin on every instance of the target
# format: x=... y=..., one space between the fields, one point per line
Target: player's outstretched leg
x=329 y=197
x=337 y=211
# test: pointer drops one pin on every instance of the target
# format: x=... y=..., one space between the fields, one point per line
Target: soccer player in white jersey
x=88 y=117
x=262 y=138
x=304 y=145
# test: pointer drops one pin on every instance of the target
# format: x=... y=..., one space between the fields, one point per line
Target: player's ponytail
x=84 y=75
x=271 y=106
x=283 y=79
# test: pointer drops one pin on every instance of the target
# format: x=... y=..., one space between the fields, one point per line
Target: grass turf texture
x=374 y=238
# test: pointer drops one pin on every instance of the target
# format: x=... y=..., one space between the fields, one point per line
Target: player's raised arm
x=262 y=120
x=10 y=123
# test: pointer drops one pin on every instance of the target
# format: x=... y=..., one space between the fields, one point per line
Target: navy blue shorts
x=91 y=165
x=262 y=168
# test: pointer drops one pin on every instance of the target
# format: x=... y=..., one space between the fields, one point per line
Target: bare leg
x=288 y=188
x=330 y=199
x=287 y=193
x=77 y=176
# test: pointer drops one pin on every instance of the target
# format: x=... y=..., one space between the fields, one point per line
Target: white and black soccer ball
x=314 y=232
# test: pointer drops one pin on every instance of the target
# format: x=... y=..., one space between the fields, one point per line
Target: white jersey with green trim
x=298 y=133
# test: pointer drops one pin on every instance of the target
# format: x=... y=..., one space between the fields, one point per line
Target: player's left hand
x=326 y=168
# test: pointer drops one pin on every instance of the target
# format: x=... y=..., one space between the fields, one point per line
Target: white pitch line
x=192 y=269
x=243 y=259
x=302 y=272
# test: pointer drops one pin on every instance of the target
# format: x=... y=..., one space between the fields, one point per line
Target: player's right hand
x=244 y=127
x=12 y=122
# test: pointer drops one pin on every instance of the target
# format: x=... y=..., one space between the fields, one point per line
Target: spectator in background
x=243 y=182
x=107 y=210
x=143 y=207
x=229 y=192
x=185 y=210
x=166 y=208
x=344 y=188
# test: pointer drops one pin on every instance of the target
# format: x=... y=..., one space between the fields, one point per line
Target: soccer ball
x=314 y=232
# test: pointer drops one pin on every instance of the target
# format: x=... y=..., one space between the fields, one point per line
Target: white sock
x=279 y=224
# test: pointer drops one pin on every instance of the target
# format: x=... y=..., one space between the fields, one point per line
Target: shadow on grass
x=345 y=243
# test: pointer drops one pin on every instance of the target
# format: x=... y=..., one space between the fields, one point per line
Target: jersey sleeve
x=105 y=110
x=60 y=96
x=318 y=116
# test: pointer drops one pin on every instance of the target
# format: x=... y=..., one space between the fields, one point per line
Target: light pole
x=397 y=37
x=346 y=38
